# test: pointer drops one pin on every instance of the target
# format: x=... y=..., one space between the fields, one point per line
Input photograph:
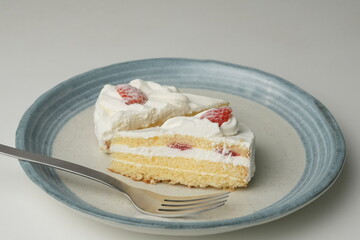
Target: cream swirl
x=231 y=127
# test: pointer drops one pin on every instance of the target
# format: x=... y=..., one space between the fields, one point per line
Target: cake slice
x=142 y=104
x=208 y=149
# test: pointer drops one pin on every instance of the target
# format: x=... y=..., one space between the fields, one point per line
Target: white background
x=313 y=44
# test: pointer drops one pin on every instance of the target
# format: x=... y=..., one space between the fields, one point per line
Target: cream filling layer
x=194 y=153
x=174 y=169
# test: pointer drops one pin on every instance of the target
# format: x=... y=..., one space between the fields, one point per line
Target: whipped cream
x=164 y=102
x=231 y=131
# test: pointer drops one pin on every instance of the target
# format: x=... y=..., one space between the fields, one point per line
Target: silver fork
x=148 y=202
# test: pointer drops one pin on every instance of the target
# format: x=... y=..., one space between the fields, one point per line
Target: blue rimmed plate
x=300 y=149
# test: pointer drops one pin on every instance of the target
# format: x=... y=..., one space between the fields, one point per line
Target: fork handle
x=63 y=165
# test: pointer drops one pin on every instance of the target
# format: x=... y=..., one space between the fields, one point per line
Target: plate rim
x=29 y=167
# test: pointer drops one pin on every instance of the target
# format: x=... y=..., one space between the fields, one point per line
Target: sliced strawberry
x=227 y=152
x=180 y=146
x=131 y=94
x=218 y=115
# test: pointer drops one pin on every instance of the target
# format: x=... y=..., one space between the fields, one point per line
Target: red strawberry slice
x=131 y=94
x=180 y=146
x=218 y=115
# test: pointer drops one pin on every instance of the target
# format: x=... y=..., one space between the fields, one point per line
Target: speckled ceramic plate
x=300 y=149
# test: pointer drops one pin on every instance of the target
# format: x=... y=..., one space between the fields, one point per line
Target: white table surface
x=313 y=44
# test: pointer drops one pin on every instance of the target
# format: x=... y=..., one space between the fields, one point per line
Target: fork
x=147 y=202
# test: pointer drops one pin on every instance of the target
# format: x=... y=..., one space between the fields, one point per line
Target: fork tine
x=186 y=207
x=193 y=203
x=155 y=204
x=190 y=212
x=196 y=198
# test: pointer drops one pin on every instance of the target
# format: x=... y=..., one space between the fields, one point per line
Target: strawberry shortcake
x=155 y=133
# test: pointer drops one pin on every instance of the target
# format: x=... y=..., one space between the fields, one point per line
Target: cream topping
x=164 y=102
x=195 y=126
x=230 y=131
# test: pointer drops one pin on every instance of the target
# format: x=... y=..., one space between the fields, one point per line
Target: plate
x=300 y=149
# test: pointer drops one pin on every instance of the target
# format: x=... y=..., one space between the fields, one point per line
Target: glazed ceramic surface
x=300 y=149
